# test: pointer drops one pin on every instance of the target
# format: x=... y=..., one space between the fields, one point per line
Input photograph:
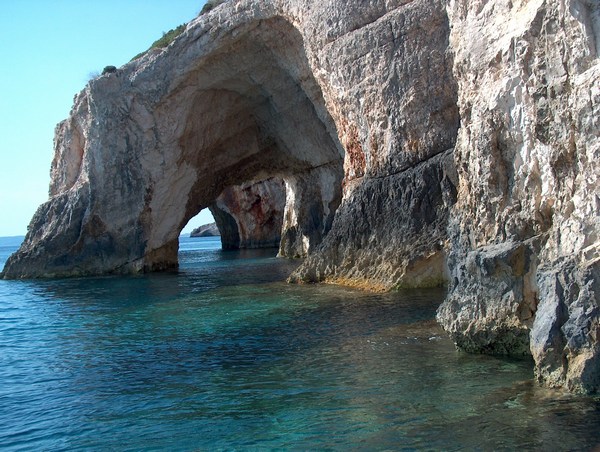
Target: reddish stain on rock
x=354 y=163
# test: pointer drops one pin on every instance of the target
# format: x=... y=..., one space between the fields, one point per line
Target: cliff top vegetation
x=169 y=36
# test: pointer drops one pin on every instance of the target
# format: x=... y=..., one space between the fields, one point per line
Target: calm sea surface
x=226 y=356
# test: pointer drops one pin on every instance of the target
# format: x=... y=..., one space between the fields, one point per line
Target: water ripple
x=224 y=356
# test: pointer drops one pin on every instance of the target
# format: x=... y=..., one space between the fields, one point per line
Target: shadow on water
x=203 y=267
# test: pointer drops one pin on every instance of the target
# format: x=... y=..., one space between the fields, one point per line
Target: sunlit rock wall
x=524 y=233
x=420 y=142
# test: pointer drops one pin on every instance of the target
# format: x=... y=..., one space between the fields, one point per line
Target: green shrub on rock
x=166 y=39
x=109 y=70
x=211 y=4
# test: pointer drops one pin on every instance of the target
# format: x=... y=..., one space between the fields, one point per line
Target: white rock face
x=419 y=142
x=206 y=230
x=525 y=247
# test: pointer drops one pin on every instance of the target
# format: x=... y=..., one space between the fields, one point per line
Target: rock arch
x=357 y=111
x=359 y=106
x=251 y=215
x=255 y=118
x=155 y=153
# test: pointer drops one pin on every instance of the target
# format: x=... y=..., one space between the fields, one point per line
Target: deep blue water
x=226 y=356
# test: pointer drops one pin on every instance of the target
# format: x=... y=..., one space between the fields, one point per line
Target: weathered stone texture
x=312 y=198
x=390 y=232
x=251 y=215
x=418 y=141
x=524 y=232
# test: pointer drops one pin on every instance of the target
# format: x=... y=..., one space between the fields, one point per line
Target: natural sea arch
x=259 y=129
x=139 y=157
x=441 y=183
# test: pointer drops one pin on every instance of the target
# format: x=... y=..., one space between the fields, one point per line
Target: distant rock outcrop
x=408 y=143
x=206 y=230
x=251 y=215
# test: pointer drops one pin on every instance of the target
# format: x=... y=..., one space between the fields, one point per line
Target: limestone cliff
x=525 y=249
x=390 y=232
x=206 y=230
x=251 y=215
x=415 y=142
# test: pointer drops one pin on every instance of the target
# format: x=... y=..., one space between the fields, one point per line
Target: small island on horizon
x=206 y=230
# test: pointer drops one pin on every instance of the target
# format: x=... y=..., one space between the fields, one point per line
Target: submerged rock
x=408 y=144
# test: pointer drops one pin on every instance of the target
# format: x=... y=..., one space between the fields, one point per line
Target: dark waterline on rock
x=224 y=355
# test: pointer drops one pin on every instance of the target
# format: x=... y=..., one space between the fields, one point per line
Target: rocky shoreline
x=394 y=144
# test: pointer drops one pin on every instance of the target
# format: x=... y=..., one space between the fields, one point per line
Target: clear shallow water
x=225 y=356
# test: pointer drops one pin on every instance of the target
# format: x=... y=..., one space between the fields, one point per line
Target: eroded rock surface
x=414 y=143
x=251 y=215
x=525 y=250
x=391 y=231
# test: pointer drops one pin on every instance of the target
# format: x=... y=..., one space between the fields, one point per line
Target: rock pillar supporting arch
x=250 y=215
x=312 y=198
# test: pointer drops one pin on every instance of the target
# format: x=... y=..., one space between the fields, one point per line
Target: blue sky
x=49 y=49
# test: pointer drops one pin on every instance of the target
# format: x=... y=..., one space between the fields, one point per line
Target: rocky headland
x=396 y=144
x=206 y=230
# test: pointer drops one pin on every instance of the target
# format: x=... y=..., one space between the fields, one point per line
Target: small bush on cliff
x=211 y=4
x=109 y=70
x=166 y=39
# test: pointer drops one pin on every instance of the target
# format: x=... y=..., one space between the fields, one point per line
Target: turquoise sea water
x=226 y=356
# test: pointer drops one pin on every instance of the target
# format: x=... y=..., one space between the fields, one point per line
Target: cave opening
x=260 y=146
x=198 y=222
